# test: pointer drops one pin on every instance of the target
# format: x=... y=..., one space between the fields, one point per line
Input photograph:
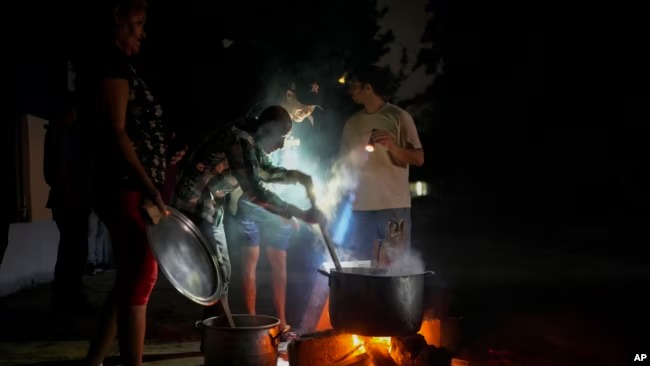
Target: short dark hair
x=274 y=113
x=380 y=78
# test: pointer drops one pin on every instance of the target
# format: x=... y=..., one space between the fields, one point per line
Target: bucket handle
x=275 y=339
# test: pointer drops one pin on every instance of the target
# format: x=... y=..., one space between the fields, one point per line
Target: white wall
x=38 y=189
x=30 y=256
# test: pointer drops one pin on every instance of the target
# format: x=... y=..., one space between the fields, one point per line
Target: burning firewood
x=379 y=355
x=414 y=351
x=409 y=351
x=358 y=360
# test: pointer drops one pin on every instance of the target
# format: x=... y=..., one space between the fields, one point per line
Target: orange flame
x=359 y=341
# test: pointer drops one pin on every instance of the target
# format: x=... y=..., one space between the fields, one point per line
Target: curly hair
x=101 y=14
x=123 y=7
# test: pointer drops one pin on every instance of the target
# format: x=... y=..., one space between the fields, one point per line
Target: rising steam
x=343 y=179
x=330 y=188
x=408 y=262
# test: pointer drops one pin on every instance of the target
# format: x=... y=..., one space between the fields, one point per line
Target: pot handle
x=199 y=324
x=323 y=272
x=428 y=273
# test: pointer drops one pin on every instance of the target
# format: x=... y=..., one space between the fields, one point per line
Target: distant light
x=342 y=79
x=370 y=148
x=291 y=142
x=419 y=189
x=227 y=42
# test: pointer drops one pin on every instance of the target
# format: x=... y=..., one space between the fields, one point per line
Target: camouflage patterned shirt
x=223 y=162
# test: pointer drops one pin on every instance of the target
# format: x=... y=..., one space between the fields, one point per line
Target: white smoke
x=330 y=188
x=343 y=179
x=408 y=262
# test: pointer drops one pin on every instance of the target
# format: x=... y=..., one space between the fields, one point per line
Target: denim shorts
x=258 y=226
x=368 y=226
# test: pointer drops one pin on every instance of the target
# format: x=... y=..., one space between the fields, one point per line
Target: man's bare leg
x=249 y=259
x=278 y=261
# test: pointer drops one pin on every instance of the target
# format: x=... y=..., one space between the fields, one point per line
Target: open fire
x=329 y=347
x=332 y=348
x=360 y=342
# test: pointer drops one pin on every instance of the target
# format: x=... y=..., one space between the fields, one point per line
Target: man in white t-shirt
x=383 y=191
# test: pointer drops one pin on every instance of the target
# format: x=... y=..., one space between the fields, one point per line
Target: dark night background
x=540 y=113
x=538 y=129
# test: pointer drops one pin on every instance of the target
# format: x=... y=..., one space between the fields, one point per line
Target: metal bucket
x=253 y=342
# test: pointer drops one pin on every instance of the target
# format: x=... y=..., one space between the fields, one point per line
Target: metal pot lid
x=186 y=258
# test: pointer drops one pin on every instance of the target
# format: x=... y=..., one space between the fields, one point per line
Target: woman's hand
x=153 y=194
x=178 y=156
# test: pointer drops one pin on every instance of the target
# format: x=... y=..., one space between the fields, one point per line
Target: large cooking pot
x=250 y=343
x=374 y=302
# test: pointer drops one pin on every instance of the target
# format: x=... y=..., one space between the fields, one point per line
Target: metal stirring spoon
x=226 y=309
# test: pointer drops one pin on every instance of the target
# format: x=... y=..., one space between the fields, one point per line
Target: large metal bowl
x=186 y=258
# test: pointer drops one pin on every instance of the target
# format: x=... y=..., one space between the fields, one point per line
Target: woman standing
x=127 y=137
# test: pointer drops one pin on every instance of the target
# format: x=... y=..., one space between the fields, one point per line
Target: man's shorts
x=258 y=226
x=368 y=226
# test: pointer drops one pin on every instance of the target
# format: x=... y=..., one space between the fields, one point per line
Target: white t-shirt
x=382 y=184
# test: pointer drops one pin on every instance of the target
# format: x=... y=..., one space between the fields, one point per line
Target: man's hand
x=314 y=216
x=384 y=138
x=311 y=216
x=302 y=178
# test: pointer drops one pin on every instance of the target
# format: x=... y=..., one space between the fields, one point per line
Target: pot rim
x=276 y=322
